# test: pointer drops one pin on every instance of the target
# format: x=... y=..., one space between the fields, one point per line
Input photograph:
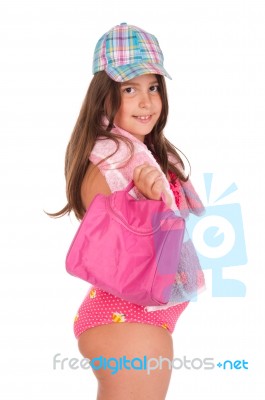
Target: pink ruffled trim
x=175 y=187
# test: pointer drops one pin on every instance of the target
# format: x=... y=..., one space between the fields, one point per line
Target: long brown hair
x=88 y=129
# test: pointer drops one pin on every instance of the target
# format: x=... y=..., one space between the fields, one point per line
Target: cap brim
x=126 y=72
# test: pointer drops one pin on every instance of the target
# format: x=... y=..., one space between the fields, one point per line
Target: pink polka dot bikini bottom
x=101 y=308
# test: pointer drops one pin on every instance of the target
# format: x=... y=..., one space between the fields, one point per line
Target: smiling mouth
x=143 y=117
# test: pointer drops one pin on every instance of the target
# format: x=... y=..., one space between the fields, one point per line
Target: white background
x=215 y=52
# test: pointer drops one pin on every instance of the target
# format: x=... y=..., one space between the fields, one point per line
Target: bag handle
x=131 y=185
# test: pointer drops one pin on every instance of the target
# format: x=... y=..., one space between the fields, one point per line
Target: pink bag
x=127 y=247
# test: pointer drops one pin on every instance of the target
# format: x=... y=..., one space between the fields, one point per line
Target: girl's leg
x=130 y=340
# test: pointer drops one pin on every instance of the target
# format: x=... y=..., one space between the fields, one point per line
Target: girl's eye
x=129 y=90
x=154 y=88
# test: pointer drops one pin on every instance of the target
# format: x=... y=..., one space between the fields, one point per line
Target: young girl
x=124 y=113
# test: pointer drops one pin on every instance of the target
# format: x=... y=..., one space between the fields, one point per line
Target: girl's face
x=141 y=105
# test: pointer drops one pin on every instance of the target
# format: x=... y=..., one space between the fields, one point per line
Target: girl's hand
x=148 y=180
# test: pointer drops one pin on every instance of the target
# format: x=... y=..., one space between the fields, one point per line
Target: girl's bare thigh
x=130 y=340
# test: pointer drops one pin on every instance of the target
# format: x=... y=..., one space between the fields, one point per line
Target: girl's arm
x=146 y=179
x=93 y=183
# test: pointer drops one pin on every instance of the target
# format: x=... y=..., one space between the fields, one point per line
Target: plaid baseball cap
x=126 y=51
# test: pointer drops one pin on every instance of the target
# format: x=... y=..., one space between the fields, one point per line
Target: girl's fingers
x=146 y=172
x=148 y=180
x=138 y=170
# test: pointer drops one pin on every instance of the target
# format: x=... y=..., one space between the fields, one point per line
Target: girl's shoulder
x=115 y=153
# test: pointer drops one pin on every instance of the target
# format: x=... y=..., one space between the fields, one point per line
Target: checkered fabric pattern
x=127 y=51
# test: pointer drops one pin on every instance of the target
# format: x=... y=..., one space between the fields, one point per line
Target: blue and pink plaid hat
x=126 y=51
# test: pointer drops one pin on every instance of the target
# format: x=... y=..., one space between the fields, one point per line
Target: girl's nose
x=145 y=100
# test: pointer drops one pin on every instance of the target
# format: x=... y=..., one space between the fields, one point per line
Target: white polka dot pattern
x=101 y=308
